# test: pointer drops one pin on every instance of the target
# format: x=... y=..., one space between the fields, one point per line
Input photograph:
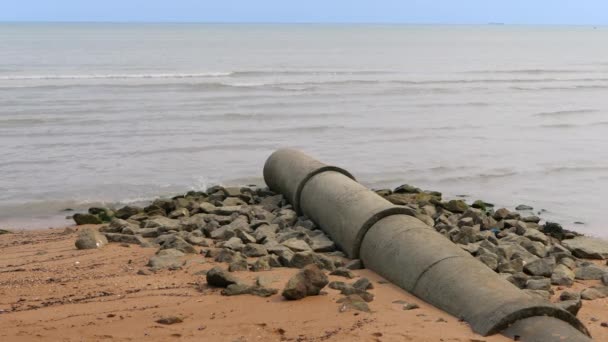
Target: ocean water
x=120 y=113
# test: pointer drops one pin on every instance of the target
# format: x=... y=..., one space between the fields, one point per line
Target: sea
x=110 y=114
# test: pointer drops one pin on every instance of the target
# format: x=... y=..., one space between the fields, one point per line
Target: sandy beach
x=50 y=291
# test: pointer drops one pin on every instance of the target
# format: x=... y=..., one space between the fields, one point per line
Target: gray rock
x=324 y=262
x=128 y=211
x=536 y=235
x=501 y=214
x=539 y=294
x=355 y=264
x=296 y=245
x=541 y=267
x=587 y=247
x=180 y=212
x=262 y=264
x=245 y=237
x=266 y=232
x=302 y=259
x=90 y=239
x=166 y=259
x=307 y=282
x=163 y=224
x=322 y=244
x=543 y=284
x=130 y=239
x=363 y=284
x=82 y=219
x=176 y=242
x=594 y=292
x=523 y=207
x=219 y=277
x=569 y=295
x=234 y=243
x=253 y=250
x=605 y=279
x=227 y=255
x=238 y=264
x=285 y=254
x=562 y=275
x=255 y=290
x=489 y=259
x=590 y=272
x=149 y=232
x=353 y=302
x=343 y=272
x=518 y=279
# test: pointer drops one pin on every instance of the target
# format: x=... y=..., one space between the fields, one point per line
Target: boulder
x=455 y=206
x=127 y=211
x=82 y=219
x=322 y=244
x=90 y=239
x=605 y=279
x=543 y=284
x=130 y=239
x=572 y=306
x=253 y=250
x=307 y=282
x=594 y=292
x=219 y=277
x=176 y=242
x=562 y=275
x=590 y=272
x=296 y=245
x=166 y=259
x=523 y=207
x=587 y=247
x=541 y=267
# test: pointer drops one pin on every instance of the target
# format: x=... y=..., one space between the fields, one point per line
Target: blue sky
x=594 y=12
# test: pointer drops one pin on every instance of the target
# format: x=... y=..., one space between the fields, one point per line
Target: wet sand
x=50 y=291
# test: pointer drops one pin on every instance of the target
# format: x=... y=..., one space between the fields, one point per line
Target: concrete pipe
x=412 y=254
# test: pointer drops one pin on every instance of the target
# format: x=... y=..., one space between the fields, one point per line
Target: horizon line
x=287 y=23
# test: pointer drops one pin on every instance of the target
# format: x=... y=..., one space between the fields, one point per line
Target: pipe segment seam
x=298 y=194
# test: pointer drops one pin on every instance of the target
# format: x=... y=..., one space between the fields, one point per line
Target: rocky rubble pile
x=254 y=229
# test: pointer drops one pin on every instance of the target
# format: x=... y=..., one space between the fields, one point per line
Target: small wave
x=561 y=169
x=498 y=174
x=528 y=71
x=566 y=112
x=112 y=76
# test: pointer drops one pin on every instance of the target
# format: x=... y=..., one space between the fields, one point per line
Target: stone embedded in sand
x=307 y=282
x=353 y=302
x=241 y=289
x=169 y=320
x=176 y=242
x=253 y=250
x=90 y=239
x=166 y=259
x=219 y=277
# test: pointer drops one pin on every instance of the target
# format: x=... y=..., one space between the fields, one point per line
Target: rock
x=569 y=295
x=572 y=306
x=307 y=282
x=233 y=202
x=587 y=247
x=241 y=289
x=253 y=250
x=163 y=224
x=353 y=302
x=489 y=259
x=126 y=238
x=410 y=306
x=245 y=237
x=455 y=206
x=227 y=255
x=605 y=279
x=407 y=189
x=501 y=214
x=531 y=219
x=562 y=275
x=234 y=243
x=302 y=259
x=176 y=242
x=322 y=244
x=518 y=279
x=594 y=292
x=536 y=235
x=262 y=264
x=285 y=254
x=127 y=211
x=543 y=284
x=363 y=284
x=355 y=264
x=343 y=272
x=169 y=320
x=266 y=232
x=82 y=219
x=219 y=277
x=541 y=267
x=590 y=272
x=166 y=259
x=297 y=245
x=238 y=264
x=539 y=294
x=523 y=207
x=90 y=239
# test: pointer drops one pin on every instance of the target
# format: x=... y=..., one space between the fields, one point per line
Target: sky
x=580 y=12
